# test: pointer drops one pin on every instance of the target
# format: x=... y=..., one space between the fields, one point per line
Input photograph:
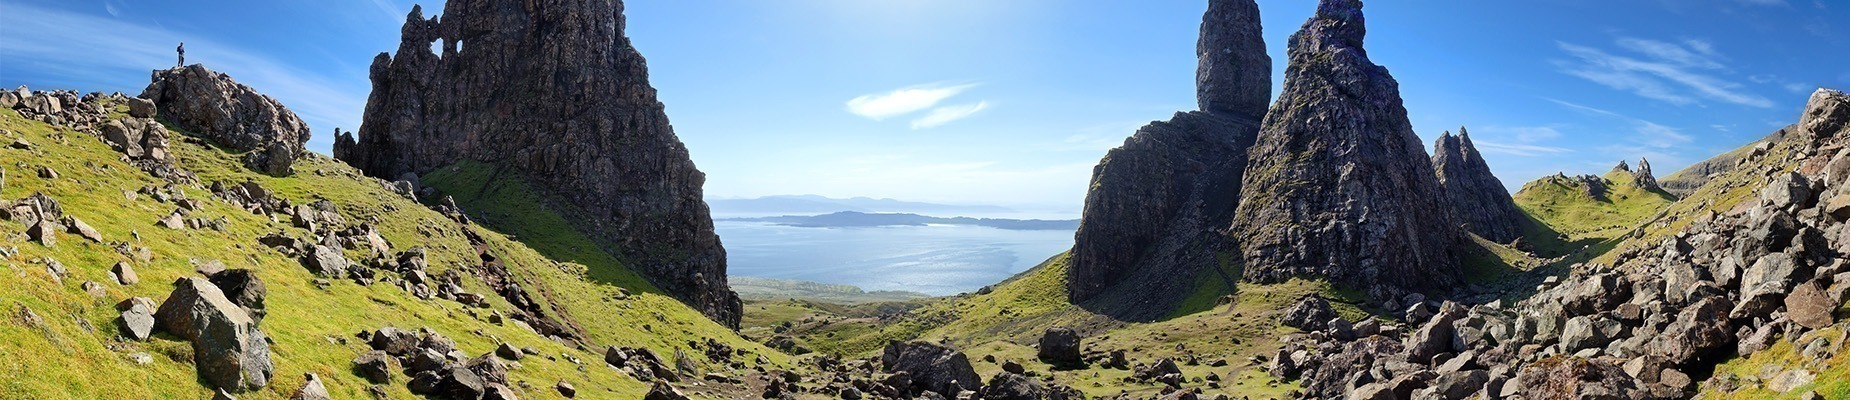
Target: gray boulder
x=1060 y=347
x=1310 y=313
x=933 y=367
x=229 y=350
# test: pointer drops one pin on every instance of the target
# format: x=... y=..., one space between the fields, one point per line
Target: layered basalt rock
x=1153 y=217
x=551 y=90
x=1475 y=197
x=232 y=115
x=1339 y=186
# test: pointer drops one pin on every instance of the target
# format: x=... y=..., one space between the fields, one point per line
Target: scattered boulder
x=137 y=319
x=125 y=274
x=1309 y=313
x=1060 y=347
x=933 y=367
x=231 y=353
x=312 y=389
x=375 y=366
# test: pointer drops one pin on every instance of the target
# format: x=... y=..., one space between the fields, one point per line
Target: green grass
x=1565 y=207
x=767 y=288
x=311 y=327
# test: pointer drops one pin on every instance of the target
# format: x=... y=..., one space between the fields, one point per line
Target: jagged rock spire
x=1476 y=198
x=1622 y=167
x=1233 y=73
x=550 y=91
x=1643 y=178
x=1150 y=227
x=1339 y=186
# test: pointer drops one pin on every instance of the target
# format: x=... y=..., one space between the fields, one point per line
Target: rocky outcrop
x=1233 y=74
x=1721 y=286
x=232 y=115
x=1642 y=178
x=1685 y=182
x=1151 y=223
x=1338 y=185
x=553 y=91
x=1475 y=197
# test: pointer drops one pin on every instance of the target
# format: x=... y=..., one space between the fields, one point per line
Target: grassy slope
x=767 y=288
x=311 y=327
x=1009 y=319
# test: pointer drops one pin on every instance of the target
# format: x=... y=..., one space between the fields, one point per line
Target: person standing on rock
x=182 y=51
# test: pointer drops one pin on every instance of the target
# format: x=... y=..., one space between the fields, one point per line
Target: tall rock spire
x=1643 y=178
x=1233 y=73
x=1339 y=186
x=1151 y=227
x=551 y=91
x=1475 y=197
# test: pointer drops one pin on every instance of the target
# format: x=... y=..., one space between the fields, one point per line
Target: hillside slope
x=71 y=345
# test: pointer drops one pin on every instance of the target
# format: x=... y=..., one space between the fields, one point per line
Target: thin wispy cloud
x=907 y=100
x=1644 y=133
x=69 y=43
x=948 y=114
x=1521 y=141
x=1677 y=73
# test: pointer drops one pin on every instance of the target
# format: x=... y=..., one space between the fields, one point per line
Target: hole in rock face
x=436 y=48
x=459 y=47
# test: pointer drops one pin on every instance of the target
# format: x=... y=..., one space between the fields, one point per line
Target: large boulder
x=1827 y=114
x=1437 y=335
x=1698 y=332
x=1310 y=313
x=1577 y=378
x=229 y=350
x=934 y=367
x=1060 y=347
x=244 y=288
x=231 y=114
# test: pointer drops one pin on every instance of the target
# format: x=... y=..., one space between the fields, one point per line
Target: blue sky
x=1013 y=102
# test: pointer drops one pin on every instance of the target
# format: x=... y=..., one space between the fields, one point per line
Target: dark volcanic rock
x=1338 y=185
x=1149 y=228
x=933 y=367
x=231 y=353
x=1475 y=197
x=1233 y=73
x=1060 y=347
x=1827 y=114
x=233 y=115
x=550 y=90
x=1150 y=225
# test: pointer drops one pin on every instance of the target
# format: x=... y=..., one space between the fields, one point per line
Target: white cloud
x=1525 y=150
x=1799 y=88
x=903 y=101
x=1644 y=133
x=1670 y=73
x=948 y=114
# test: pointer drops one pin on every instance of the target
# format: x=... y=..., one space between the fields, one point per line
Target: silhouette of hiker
x=182 y=51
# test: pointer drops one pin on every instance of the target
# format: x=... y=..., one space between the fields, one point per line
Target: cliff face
x=1475 y=197
x=1153 y=217
x=1338 y=185
x=552 y=90
x=1685 y=182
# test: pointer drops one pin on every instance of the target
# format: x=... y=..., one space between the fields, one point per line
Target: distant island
x=768 y=288
x=845 y=219
x=813 y=204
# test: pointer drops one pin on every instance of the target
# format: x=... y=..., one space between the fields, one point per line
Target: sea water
x=935 y=259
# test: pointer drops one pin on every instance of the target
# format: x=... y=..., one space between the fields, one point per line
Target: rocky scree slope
x=1717 y=283
x=273 y=276
x=1338 y=185
x=1475 y=197
x=552 y=91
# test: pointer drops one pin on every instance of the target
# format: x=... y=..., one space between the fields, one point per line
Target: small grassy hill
x=75 y=353
x=1582 y=212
